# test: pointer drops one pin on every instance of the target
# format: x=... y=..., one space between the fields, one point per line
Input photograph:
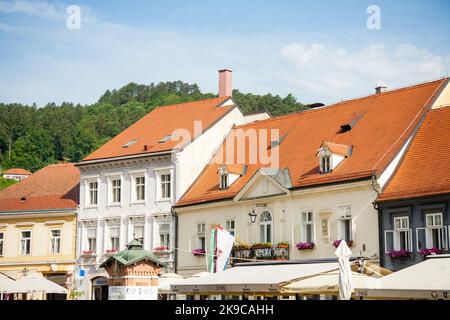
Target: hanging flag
x=224 y=244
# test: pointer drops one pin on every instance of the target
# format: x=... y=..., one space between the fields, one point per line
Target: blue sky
x=319 y=51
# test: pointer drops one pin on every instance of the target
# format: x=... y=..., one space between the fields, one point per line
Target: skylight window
x=129 y=143
x=166 y=138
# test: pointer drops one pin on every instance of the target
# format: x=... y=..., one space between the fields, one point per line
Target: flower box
x=284 y=245
x=160 y=249
x=395 y=254
x=199 y=252
x=87 y=252
x=429 y=251
x=337 y=242
x=305 y=245
x=112 y=250
x=262 y=245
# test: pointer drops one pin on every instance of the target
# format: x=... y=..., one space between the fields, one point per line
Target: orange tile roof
x=160 y=123
x=425 y=169
x=340 y=149
x=388 y=120
x=19 y=171
x=53 y=187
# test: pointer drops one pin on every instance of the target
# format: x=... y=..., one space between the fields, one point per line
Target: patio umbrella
x=345 y=272
x=37 y=282
x=8 y=285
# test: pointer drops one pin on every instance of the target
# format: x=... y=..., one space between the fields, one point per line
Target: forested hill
x=32 y=137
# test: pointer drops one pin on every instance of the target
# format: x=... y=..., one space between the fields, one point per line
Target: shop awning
x=8 y=285
x=326 y=283
x=165 y=280
x=252 y=279
x=426 y=280
x=36 y=282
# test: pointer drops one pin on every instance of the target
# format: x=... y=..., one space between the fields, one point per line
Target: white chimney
x=225 y=84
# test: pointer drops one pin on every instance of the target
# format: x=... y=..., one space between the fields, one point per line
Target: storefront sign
x=133 y=293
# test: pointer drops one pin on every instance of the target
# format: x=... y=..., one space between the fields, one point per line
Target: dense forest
x=32 y=137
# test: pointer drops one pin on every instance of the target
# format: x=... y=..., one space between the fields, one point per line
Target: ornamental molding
x=123 y=163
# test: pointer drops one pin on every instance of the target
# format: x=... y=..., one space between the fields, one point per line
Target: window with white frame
x=114 y=238
x=55 y=241
x=165 y=185
x=2 y=235
x=93 y=193
x=201 y=235
x=400 y=237
x=116 y=188
x=139 y=188
x=25 y=242
x=230 y=226
x=138 y=233
x=325 y=163
x=307 y=233
x=345 y=223
x=436 y=234
x=265 y=226
x=92 y=240
x=164 y=234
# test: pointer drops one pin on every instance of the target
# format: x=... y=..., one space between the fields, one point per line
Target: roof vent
x=147 y=147
x=349 y=126
x=166 y=138
x=380 y=89
x=315 y=105
x=23 y=199
x=129 y=143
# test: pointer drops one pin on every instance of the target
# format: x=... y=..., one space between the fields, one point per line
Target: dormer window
x=331 y=155
x=224 y=181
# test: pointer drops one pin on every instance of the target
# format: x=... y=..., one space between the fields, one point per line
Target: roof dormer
x=229 y=174
x=331 y=155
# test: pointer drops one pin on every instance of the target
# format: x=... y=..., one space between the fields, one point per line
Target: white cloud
x=33 y=8
x=331 y=72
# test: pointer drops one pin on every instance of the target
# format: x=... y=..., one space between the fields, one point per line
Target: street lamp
x=253 y=216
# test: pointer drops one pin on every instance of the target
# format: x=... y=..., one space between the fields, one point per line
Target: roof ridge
x=192 y=102
x=337 y=104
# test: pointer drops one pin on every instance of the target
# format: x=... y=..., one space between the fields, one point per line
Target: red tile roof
x=336 y=148
x=425 y=169
x=387 y=120
x=160 y=123
x=53 y=187
x=18 y=171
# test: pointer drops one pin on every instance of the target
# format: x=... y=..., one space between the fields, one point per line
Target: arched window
x=265 y=225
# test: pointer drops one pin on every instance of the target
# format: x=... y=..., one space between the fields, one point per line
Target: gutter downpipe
x=175 y=218
x=376 y=188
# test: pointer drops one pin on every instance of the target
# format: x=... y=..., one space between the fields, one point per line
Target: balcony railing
x=260 y=252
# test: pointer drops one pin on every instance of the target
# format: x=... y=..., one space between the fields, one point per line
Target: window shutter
x=421 y=238
x=388 y=240
x=444 y=238
x=353 y=231
x=410 y=248
x=333 y=230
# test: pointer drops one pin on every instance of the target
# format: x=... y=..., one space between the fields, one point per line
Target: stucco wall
x=286 y=211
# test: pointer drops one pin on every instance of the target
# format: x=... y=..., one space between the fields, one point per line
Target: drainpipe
x=175 y=219
x=376 y=187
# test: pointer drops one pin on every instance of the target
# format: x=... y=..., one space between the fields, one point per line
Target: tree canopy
x=32 y=137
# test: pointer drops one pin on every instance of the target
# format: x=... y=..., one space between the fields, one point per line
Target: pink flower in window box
x=429 y=251
x=87 y=252
x=305 y=245
x=337 y=242
x=160 y=249
x=114 y=250
x=199 y=252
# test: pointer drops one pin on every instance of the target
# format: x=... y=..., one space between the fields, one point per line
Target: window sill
x=164 y=200
x=91 y=206
x=138 y=202
x=118 y=204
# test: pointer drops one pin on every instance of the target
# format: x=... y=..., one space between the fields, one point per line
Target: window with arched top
x=265 y=226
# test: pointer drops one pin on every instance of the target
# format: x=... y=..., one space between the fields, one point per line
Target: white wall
x=193 y=159
x=443 y=99
x=286 y=225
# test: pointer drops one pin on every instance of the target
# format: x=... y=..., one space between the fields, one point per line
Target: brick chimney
x=225 y=85
x=380 y=89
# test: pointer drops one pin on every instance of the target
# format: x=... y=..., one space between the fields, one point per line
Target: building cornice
x=120 y=162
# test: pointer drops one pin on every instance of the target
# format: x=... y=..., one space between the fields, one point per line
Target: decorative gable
x=331 y=155
x=228 y=174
